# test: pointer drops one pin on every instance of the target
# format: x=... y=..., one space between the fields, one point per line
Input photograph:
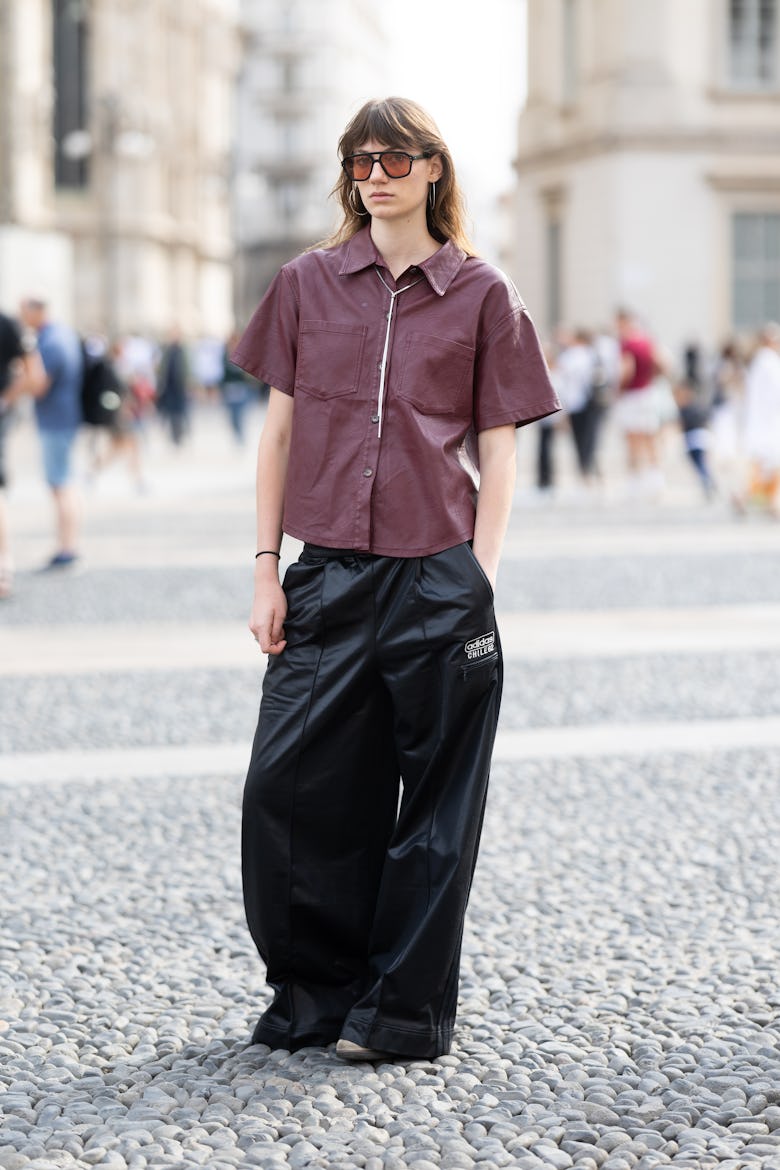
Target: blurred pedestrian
x=698 y=440
x=58 y=417
x=173 y=398
x=20 y=370
x=608 y=366
x=546 y=430
x=207 y=366
x=237 y=389
x=399 y=361
x=120 y=439
x=135 y=360
x=637 y=412
x=762 y=421
x=583 y=388
x=727 y=393
x=694 y=412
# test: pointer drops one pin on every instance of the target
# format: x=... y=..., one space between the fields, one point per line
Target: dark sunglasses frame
x=378 y=156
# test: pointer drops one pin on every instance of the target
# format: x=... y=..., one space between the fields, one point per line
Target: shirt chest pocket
x=329 y=358
x=437 y=375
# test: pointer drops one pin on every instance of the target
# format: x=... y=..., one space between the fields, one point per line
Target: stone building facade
x=648 y=165
x=115 y=160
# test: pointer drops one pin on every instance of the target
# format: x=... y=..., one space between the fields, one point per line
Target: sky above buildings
x=465 y=61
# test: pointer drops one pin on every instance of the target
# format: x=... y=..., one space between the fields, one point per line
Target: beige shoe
x=349 y=1051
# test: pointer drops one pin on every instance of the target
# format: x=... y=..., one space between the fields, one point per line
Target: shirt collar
x=440 y=269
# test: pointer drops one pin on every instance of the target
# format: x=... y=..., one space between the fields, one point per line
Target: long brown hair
x=399 y=122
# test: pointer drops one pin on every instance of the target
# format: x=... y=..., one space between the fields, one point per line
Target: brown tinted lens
x=359 y=166
x=396 y=164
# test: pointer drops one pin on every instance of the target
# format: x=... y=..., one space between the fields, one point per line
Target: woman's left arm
x=497 y=469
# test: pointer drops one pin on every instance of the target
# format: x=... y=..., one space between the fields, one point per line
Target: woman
x=397 y=361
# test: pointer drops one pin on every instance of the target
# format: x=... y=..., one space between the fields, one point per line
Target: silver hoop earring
x=353 y=204
x=432 y=196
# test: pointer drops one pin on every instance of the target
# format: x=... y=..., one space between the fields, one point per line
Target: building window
x=71 y=143
x=752 y=44
x=570 y=52
x=756 y=269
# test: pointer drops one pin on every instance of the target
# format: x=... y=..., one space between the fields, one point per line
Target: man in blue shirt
x=58 y=415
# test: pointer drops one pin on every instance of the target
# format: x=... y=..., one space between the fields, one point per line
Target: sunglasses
x=396 y=164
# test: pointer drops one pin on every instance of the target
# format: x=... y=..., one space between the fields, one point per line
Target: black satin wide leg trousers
x=389 y=686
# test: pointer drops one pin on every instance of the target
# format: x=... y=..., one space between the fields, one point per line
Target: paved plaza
x=620 y=1000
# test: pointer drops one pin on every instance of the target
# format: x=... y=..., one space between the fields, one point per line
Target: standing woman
x=399 y=364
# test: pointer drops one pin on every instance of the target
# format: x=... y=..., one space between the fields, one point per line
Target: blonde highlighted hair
x=401 y=123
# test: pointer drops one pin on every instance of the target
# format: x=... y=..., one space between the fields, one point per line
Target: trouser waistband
x=323 y=553
x=335 y=554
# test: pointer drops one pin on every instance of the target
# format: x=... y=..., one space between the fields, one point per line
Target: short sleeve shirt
x=392 y=381
x=59 y=409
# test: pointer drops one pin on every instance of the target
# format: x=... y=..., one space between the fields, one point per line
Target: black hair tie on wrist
x=268 y=552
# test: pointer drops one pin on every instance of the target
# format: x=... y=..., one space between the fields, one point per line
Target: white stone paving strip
x=157 y=646
x=592 y=540
x=533 y=635
x=611 y=633
x=231 y=759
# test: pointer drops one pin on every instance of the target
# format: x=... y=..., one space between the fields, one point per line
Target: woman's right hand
x=269 y=610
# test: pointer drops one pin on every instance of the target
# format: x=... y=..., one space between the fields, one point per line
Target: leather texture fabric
x=389 y=377
x=365 y=795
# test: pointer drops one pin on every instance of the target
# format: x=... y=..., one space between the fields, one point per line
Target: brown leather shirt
x=391 y=381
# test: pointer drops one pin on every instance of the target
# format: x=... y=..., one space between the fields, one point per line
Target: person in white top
x=762 y=420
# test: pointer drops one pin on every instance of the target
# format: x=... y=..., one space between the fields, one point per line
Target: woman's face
x=397 y=199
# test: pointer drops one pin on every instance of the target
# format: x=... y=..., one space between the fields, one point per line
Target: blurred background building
x=116 y=131
x=160 y=160
x=649 y=164
x=308 y=66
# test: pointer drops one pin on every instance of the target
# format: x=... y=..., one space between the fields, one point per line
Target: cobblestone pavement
x=619 y=996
